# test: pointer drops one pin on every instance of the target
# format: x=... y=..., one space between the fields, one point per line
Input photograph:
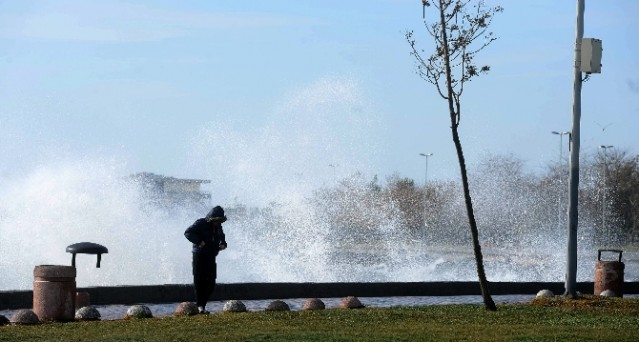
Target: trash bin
x=609 y=274
x=54 y=292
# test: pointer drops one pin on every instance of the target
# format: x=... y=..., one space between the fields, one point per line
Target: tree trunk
x=479 y=259
x=454 y=123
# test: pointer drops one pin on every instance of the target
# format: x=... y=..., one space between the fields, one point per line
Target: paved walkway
x=113 y=312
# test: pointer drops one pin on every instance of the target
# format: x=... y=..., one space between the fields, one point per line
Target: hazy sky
x=169 y=86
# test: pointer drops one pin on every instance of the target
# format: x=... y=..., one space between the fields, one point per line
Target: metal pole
x=603 y=200
x=559 y=166
x=573 y=194
x=426 y=155
x=334 y=172
x=561 y=137
x=426 y=172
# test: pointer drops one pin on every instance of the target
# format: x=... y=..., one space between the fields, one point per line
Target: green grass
x=558 y=319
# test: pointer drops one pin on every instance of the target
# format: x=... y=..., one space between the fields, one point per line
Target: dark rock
x=186 y=309
x=234 y=306
x=278 y=305
x=313 y=304
x=351 y=302
x=25 y=316
x=87 y=313
x=138 y=311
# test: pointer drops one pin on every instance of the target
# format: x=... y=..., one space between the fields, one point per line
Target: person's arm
x=193 y=234
x=222 y=239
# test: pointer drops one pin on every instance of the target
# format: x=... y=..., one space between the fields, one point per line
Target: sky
x=292 y=87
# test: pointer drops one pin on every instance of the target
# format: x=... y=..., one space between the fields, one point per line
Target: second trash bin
x=54 y=292
x=609 y=274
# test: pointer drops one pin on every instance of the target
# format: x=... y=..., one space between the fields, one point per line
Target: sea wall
x=173 y=293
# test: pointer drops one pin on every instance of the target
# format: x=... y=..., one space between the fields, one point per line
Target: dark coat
x=201 y=230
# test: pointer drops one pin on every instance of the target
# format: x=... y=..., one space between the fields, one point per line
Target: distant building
x=171 y=191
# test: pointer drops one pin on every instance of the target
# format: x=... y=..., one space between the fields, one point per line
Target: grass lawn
x=557 y=319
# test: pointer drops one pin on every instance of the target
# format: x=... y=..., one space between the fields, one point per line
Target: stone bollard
x=54 y=292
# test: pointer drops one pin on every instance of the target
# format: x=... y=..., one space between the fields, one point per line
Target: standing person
x=208 y=239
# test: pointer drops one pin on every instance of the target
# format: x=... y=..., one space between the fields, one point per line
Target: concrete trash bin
x=609 y=274
x=54 y=292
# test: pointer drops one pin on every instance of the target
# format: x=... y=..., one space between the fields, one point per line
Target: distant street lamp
x=334 y=175
x=426 y=155
x=603 y=204
x=561 y=143
x=561 y=147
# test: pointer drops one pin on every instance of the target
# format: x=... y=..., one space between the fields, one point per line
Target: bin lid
x=54 y=271
x=609 y=250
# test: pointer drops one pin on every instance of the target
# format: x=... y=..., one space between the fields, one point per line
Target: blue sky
x=260 y=88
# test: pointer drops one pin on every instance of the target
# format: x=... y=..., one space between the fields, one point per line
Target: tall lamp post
x=588 y=53
x=573 y=178
x=426 y=155
x=603 y=201
x=561 y=147
x=334 y=174
x=561 y=143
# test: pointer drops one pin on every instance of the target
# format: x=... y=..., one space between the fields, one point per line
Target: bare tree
x=460 y=31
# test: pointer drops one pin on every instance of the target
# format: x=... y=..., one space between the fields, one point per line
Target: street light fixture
x=561 y=143
x=426 y=155
x=603 y=204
